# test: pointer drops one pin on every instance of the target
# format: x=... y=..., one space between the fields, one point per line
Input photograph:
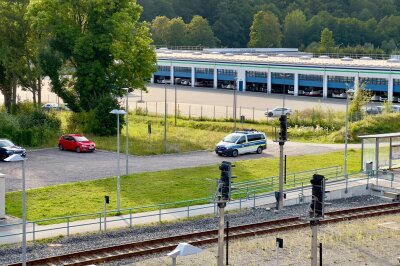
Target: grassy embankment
x=188 y=135
x=156 y=187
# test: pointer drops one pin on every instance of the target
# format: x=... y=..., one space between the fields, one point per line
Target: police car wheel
x=234 y=153
x=259 y=150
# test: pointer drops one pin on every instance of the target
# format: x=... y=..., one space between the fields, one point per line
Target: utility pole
x=165 y=117
x=314 y=242
x=316 y=212
x=127 y=133
x=234 y=107
x=221 y=207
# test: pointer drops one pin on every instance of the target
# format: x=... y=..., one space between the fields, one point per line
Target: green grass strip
x=157 y=187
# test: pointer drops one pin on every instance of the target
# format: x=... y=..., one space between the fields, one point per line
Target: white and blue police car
x=242 y=142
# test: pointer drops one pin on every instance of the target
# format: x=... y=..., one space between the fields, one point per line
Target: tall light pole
x=19 y=158
x=165 y=117
x=127 y=131
x=349 y=92
x=118 y=112
x=235 y=102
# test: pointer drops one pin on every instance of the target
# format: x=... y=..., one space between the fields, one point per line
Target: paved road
x=51 y=166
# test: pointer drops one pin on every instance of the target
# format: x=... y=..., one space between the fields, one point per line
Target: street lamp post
x=127 y=131
x=235 y=102
x=118 y=112
x=165 y=116
x=19 y=158
x=349 y=92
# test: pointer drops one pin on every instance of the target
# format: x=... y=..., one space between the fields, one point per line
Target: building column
x=296 y=84
x=241 y=75
x=269 y=82
x=325 y=86
x=390 y=89
x=215 y=78
x=193 y=76
x=172 y=79
x=356 y=82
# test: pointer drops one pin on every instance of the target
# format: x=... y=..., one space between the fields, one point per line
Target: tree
x=327 y=42
x=159 y=29
x=361 y=98
x=18 y=53
x=294 y=28
x=176 y=34
x=100 y=47
x=389 y=28
x=265 y=31
x=200 y=33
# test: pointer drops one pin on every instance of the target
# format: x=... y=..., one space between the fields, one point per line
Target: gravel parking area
x=9 y=254
x=49 y=167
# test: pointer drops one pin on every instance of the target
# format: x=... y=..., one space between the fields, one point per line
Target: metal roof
x=277 y=60
x=380 y=136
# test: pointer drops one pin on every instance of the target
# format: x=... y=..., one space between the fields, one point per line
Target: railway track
x=107 y=254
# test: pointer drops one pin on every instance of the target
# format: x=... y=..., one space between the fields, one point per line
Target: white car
x=277 y=112
x=185 y=82
x=165 y=81
x=50 y=106
x=242 y=142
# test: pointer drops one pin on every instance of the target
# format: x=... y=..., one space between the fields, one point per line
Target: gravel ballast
x=12 y=253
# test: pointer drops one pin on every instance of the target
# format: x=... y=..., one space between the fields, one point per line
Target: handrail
x=197 y=204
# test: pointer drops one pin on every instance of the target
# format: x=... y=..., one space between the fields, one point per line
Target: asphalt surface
x=51 y=167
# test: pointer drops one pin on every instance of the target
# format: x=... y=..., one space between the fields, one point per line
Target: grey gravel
x=12 y=253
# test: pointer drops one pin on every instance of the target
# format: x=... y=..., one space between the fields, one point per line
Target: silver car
x=277 y=112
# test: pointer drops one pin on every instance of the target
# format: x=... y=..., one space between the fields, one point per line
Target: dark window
x=242 y=140
x=250 y=137
x=163 y=68
x=183 y=69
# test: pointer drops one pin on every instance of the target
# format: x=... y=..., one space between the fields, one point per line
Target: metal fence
x=251 y=198
x=201 y=111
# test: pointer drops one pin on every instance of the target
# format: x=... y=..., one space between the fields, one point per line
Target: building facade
x=298 y=75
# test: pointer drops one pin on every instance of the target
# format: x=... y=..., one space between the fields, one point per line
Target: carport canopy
x=380 y=151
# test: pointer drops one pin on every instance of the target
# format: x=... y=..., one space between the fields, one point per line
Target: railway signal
x=225 y=184
x=316 y=212
x=318 y=196
x=283 y=124
x=224 y=195
x=281 y=141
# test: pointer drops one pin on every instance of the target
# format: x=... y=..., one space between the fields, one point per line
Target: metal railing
x=250 y=199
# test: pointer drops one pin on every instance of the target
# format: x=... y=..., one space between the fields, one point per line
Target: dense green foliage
x=175 y=32
x=265 y=31
x=89 y=50
x=29 y=127
x=107 y=47
x=352 y=22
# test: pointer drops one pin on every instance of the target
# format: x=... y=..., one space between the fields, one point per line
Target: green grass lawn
x=157 y=187
x=188 y=135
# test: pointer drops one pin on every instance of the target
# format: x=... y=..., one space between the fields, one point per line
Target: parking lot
x=51 y=167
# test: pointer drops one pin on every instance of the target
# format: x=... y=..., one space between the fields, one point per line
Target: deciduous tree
x=294 y=28
x=103 y=46
x=200 y=33
x=265 y=31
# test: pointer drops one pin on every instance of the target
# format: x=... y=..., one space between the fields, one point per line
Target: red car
x=76 y=142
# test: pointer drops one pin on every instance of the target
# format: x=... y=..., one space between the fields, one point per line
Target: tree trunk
x=7 y=100
x=39 y=91
x=13 y=93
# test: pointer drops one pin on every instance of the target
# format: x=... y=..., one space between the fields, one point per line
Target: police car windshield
x=232 y=138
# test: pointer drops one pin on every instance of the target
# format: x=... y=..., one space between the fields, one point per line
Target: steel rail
x=135 y=249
